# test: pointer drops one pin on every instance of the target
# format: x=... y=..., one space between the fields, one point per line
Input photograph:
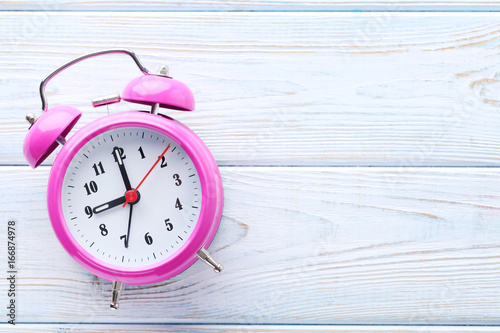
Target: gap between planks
x=174 y=328
x=254 y=6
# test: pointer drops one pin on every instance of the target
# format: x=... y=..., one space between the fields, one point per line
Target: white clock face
x=144 y=226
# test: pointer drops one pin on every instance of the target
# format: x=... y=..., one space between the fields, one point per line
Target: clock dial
x=117 y=224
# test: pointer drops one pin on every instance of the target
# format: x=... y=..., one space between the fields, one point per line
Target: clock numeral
x=178 y=204
x=88 y=211
x=121 y=152
x=124 y=237
x=163 y=162
x=148 y=239
x=142 y=153
x=98 y=168
x=169 y=225
x=178 y=181
x=90 y=187
x=103 y=229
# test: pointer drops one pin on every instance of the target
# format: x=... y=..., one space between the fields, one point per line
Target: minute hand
x=118 y=159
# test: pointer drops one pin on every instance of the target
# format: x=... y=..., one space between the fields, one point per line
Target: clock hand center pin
x=132 y=197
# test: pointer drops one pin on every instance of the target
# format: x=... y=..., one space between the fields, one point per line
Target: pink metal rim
x=156 y=89
x=211 y=208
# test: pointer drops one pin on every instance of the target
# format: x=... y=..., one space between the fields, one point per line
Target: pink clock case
x=211 y=189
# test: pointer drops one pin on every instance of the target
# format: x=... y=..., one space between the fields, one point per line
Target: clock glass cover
x=161 y=217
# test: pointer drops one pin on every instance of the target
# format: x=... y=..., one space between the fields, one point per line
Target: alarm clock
x=134 y=197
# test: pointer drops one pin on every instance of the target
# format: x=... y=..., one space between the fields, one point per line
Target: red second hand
x=129 y=193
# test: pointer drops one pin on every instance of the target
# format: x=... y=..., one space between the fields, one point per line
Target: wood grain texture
x=239 y=5
x=117 y=328
x=322 y=89
x=299 y=246
x=304 y=248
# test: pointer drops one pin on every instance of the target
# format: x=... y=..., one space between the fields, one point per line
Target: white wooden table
x=358 y=143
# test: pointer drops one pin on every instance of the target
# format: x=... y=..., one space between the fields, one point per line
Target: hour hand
x=108 y=205
x=117 y=153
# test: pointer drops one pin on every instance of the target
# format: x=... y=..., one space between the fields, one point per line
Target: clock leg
x=115 y=296
x=205 y=256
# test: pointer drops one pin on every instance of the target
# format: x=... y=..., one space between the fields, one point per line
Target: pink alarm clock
x=134 y=197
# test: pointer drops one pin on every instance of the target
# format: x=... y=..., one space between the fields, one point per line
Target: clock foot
x=117 y=289
x=205 y=256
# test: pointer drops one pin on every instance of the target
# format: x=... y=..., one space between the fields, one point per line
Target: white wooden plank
x=343 y=89
x=96 y=328
x=299 y=246
x=239 y=5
